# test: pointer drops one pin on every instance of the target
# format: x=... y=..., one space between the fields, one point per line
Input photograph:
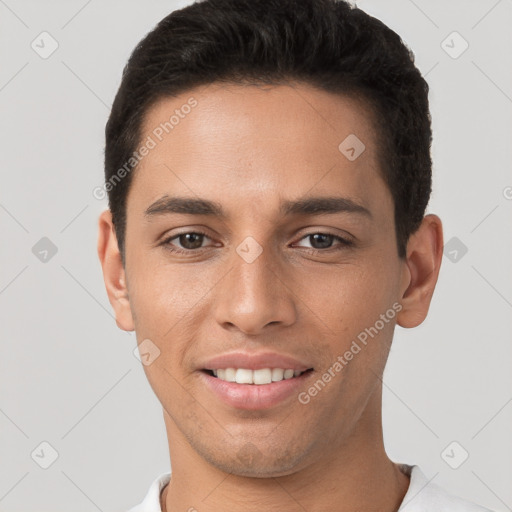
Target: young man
x=268 y=169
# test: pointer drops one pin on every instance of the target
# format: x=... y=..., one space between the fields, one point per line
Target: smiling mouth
x=255 y=377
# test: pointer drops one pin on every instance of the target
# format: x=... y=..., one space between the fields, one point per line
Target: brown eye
x=321 y=240
x=185 y=242
x=191 y=240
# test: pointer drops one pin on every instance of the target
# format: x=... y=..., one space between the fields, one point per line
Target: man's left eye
x=321 y=241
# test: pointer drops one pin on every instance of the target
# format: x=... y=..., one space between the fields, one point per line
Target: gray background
x=68 y=376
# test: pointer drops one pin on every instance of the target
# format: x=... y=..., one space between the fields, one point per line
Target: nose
x=254 y=296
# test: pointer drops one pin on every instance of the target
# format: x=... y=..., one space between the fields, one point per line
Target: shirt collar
x=420 y=494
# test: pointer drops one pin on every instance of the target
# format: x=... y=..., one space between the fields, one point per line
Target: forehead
x=251 y=144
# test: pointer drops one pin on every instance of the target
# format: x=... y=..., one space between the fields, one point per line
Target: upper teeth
x=262 y=376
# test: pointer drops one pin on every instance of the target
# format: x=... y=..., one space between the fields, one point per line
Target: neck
x=355 y=474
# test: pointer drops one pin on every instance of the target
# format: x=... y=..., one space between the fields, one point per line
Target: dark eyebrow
x=305 y=206
x=323 y=205
x=186 y=205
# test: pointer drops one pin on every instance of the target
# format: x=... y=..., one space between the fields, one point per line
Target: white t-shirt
x=421 y=496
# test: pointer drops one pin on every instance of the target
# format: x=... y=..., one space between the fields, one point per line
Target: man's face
x=260 y=281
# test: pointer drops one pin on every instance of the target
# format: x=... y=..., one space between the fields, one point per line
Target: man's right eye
x=190 y=241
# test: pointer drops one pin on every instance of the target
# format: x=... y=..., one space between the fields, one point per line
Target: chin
x=249 y=461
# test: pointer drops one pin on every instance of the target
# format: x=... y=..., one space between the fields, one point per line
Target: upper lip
x=254 y=361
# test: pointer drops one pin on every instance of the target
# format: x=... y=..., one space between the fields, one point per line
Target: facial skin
x=249 y=149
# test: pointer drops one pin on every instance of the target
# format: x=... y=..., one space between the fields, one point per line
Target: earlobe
x=422 y=265
x=114 y=272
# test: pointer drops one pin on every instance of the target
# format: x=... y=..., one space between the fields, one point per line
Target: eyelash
x=343 y=243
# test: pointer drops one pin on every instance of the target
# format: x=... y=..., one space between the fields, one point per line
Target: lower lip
x=255 y=396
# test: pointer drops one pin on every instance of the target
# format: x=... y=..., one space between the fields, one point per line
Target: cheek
x=162 y=294
x=168 y=304
x=164 y=302
x=348 y=298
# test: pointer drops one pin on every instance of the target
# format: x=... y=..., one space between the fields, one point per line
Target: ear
x=421 y=270
x=113 y=272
